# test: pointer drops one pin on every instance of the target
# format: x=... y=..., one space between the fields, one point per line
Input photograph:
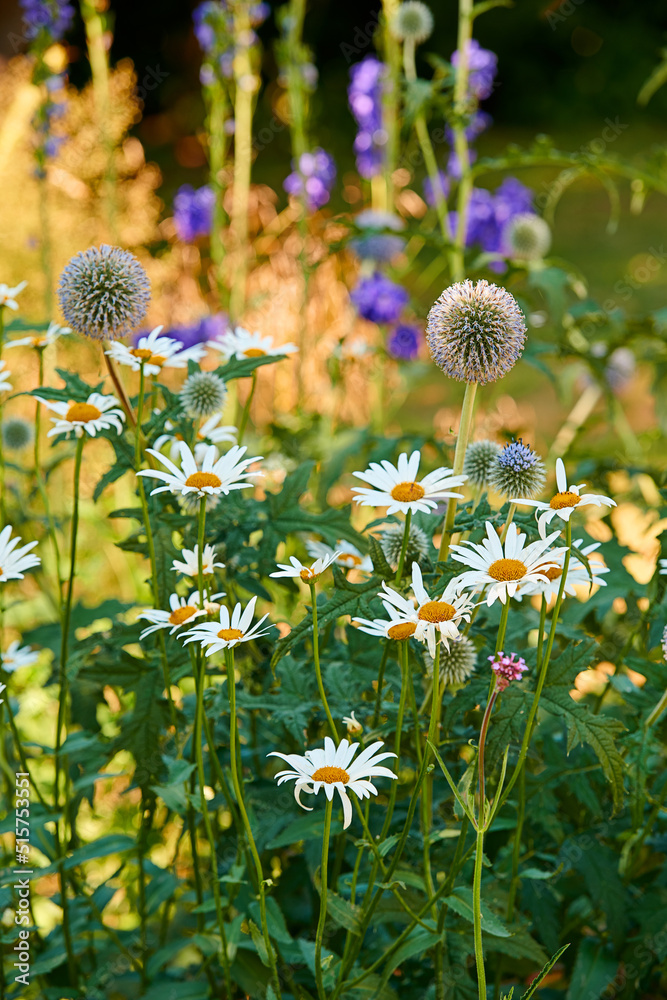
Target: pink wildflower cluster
x=507 y=667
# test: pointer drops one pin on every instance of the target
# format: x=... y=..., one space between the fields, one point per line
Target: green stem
x=508 y=520
x=243 y=107
x=316 y=660
x=404 y=546
x=477 y=913
x=246 y=409
x=461 y=100
x=41 y=484
x=405 y=683
x=380 y=683
x=390 y=98
x=323 y=901
x=502 y=627
x=465 y=428
x=238 y=791
x=427 y=793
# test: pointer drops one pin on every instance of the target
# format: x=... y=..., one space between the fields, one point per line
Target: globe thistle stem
x=245 y=81
x=246 y=408
x=460 y=138
x=465 y=428
x=508 y=520
x=118 y=386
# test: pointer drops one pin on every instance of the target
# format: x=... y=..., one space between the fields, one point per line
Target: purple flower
x=482 y=67
x=479 y=123
x=316 y=173
x=202 y=17
x=53 y=16
x=259 y=13
x=193 y=212
x=443 y=185
x=507 y=668
x=403 y=342
x=379 y=299
x=365 y=98
x=512 y=198
x=207 y=328
x=489 y=212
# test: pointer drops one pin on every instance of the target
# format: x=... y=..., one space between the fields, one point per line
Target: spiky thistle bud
x=413 y=22
x=419 y=544
x=456 y=663
x=480 y=462
x=17 y=434
x=104 y=292
x=527 y=237
x=203 y=394
x=519 y=471
x=476 y=332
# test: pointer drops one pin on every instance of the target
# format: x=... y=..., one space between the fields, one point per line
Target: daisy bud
x=413 y=22
x=519 y=471
x=507 y=668
x=391 y=540
x=17 y=434
x=104 y=292
x=664 y=642
x=480 y=462
x=456 y=663
x=527 y=237
x=354 y=727
x=203 y=394
x=476 y=332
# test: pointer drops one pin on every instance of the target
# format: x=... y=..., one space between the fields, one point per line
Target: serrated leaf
x=343 y=912
x=461 y=902
x=258 y=941
x=594 y=969
x=418 y=943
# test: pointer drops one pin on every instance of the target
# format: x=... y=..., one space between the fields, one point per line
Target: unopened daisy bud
x=507 y=668
x=519 y=471
x=203 y=394
x=412 y=22
x=354 y=727
x=527 y=237
x=664 y=642
x=480 y=462
x=104 y=292
x=17 y=434
x=476 y=332
x=456 y=663
x=391 y=541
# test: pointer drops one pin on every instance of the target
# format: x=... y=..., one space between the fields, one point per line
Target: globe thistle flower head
x=456 y=663
x=519 y=471
x=17 y=434
x=527 y=237
x=413 y=22
x=104 y=292
x=480 y=462
x=419 y=544
x=203 y=394
x=476 y=332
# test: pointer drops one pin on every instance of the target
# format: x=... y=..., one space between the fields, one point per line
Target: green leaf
x=343 y=912
x=461 y=902
x=114 y=843
x=594 y=969
x=259 y=944
x=542 y=974
x=244 y=367
x=655 y=81
x=418 y=943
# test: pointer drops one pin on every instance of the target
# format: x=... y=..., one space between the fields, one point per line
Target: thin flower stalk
x=243 y=422
x=465 y=428
x=316 y=661
x=243 y=110
x=404 y=546
x=460 y=139
x=319 y=979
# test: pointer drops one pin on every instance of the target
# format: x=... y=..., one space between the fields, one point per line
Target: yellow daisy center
x=436 y=611
x=307 y=575
x=254 y=352
x=201 y=479
x=181 y=615
x=145 y=355
x=554 y=573
x=230 y=633
x=329 y=775
x=561 y=500
x=350 y=557
x=402 y=631
x=407 y=492
x=82 y=413
x=507 y=569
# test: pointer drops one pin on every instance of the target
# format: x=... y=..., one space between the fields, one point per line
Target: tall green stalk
x=243 y=109
x=404 y=546
x=316 y=661
x=465 y=428
x=323 y=901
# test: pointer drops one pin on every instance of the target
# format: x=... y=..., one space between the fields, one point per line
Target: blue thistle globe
x=104 y=292
x=476 y=332
x=519 y=471
x=412 y=22
x=17 y=433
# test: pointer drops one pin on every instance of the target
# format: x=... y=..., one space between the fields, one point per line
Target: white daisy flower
x=436 y=620
x=13 y=561
x=98 y=413
x=309 y=574
x=41 y=340
x=354 y=727
x=565 y=501
x=155 y=352
x=189 y=566
x=229 y=630
x=396 y=486
x=662 y=563
x=346 y=555
x=504 y=570
x=240 y=343
x=5 y=385
x=209 y=433
x=8 y=295
x=577 y=574
x=333 y=769
x=16 y=656
x=216 y=476
x=397 y=627
x=182 y=612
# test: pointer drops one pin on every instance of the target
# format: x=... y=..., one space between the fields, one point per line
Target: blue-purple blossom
x=365 y=98
x=443 y=188
x=489 y=212
x=403 y=342
x=207 y=328
x=202 y=17
x=316 y=173
x=482 y=67
x=378 y=299
x=193 y=212
x=53 y=16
